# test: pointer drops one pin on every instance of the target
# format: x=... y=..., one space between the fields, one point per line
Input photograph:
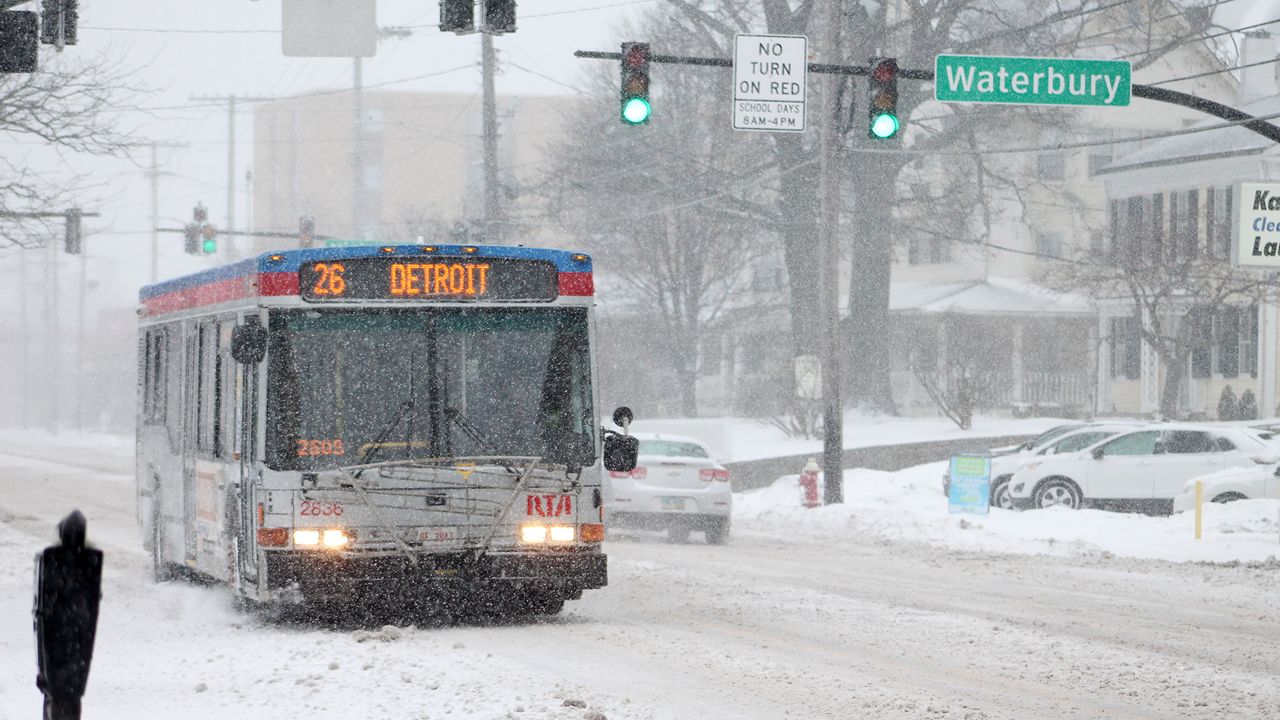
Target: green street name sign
x=1031 y=81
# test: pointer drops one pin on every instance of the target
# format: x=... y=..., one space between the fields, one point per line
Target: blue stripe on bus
x=292 y=260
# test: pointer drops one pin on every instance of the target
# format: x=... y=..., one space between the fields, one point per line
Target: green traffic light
x=884 y=125
x=209 y=247
x=636 y=110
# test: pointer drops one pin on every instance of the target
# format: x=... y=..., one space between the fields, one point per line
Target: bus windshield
x=347 y=387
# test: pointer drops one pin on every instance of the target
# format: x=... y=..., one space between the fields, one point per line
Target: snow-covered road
x=761 y=628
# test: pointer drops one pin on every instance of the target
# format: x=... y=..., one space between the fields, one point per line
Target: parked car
x=1245 y=483
x=1143 y=469
x=1068 y=438
x=676 y=486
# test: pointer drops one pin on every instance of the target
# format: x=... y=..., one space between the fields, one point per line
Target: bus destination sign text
x=427 y=278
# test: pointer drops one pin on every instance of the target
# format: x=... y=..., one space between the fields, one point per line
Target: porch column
x=1016 y=365
x=1267 y=357
x=1150 y=371
x=1102 y=376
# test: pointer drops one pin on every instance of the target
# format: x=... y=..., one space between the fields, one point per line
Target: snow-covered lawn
x=909 y=505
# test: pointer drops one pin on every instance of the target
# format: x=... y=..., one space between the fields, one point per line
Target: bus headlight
x=533 y=534
x=335 y=539
x=562 y=533
x=331 y=538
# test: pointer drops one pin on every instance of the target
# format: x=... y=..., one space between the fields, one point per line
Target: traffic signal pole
x=829 y=284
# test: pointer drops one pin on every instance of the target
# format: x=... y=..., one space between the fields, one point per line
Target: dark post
x=68 y=590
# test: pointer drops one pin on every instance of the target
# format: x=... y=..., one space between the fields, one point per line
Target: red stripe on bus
x=576 y=283
x=278 y=283
x=208 y=294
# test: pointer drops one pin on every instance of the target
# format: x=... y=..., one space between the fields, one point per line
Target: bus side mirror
x=620 y=452
x=622 y=417
x=248 y=344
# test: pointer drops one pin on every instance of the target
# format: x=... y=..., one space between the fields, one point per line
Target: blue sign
x=970 y=489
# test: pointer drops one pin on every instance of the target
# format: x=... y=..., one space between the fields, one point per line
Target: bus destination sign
x=427 y=278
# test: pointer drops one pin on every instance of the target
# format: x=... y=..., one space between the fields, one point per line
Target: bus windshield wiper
x=455 y=416
x=376 y=445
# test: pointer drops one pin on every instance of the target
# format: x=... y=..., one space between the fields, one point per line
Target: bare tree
x=664 y=206
x=960 y=381
x=1175 y=298
x=70 y=105
x=914 y=32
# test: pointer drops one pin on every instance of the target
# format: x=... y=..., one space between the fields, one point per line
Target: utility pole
x=231 y=101
x=829 y=285
x=80 y=339
x=357 y=148
x=51 y=339
x=22 y=308
x=493 y=224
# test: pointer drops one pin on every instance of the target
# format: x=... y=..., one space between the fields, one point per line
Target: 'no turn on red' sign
x=770 y=78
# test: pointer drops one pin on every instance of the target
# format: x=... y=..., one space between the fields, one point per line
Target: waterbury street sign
x=1031 y=81
x=770 y=78
x=1257 y=225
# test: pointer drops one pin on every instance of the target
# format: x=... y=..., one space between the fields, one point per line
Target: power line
x=1215 y=72
x=1055 y=18
x=1198 y=38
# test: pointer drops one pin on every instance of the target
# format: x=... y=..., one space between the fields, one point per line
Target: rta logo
x=549 y=505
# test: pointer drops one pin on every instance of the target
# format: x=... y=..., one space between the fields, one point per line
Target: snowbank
x=740 y=439
x=909 y=505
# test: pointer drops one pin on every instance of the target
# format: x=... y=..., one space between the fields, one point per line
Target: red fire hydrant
x=809 y=484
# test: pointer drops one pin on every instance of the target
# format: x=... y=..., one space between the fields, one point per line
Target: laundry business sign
x=1257 y=229
x=1031 y=81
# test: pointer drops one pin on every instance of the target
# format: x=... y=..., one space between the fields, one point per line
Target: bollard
x=68 y=590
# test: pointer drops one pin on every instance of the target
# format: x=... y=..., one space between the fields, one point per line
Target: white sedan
x=1247 y=483
x=1139 y=470
x=1062 y=439
x=676 y=486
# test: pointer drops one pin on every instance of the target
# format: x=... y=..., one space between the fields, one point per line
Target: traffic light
x=882 y=99
x=19 y=41
x=306 y=231
x=457 y=16
x=73 y=236
x=191 y=239
x=635 y=83
x=58 y=22
x=209 y=242
x=499 y=16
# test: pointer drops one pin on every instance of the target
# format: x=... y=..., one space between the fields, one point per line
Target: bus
x=355 y=424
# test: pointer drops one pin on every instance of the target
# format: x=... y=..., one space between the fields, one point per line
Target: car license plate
x=673 y=503
x=437 y=535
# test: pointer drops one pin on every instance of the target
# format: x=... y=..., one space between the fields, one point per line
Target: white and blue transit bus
x=348 y=425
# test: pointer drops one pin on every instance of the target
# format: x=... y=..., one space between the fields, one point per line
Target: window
x=1097 y=244
x=1200 y=332
x=1187 y=442
x=1186 y=219
x=1226 y=336
x=1217 y=220
x=1049 y=244
x=1099 y=155
x=1079 y=442
x=1155 y=233
x=1225 y=445
x=1126 y=346
x=928 y=250
x=672 y=448
x=1051 y=165
x=1249 y=341
x=208 y=391
x=1139 y=443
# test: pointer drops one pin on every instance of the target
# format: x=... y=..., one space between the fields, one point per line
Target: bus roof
x=275 y=274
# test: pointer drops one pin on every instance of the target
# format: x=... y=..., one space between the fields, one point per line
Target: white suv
x=676 y=486
x=1139 y=470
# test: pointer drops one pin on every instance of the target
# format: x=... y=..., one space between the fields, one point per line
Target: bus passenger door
x=190 y=416
x=246 y=447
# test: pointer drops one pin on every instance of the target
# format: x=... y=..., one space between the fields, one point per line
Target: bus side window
x=171 y=368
